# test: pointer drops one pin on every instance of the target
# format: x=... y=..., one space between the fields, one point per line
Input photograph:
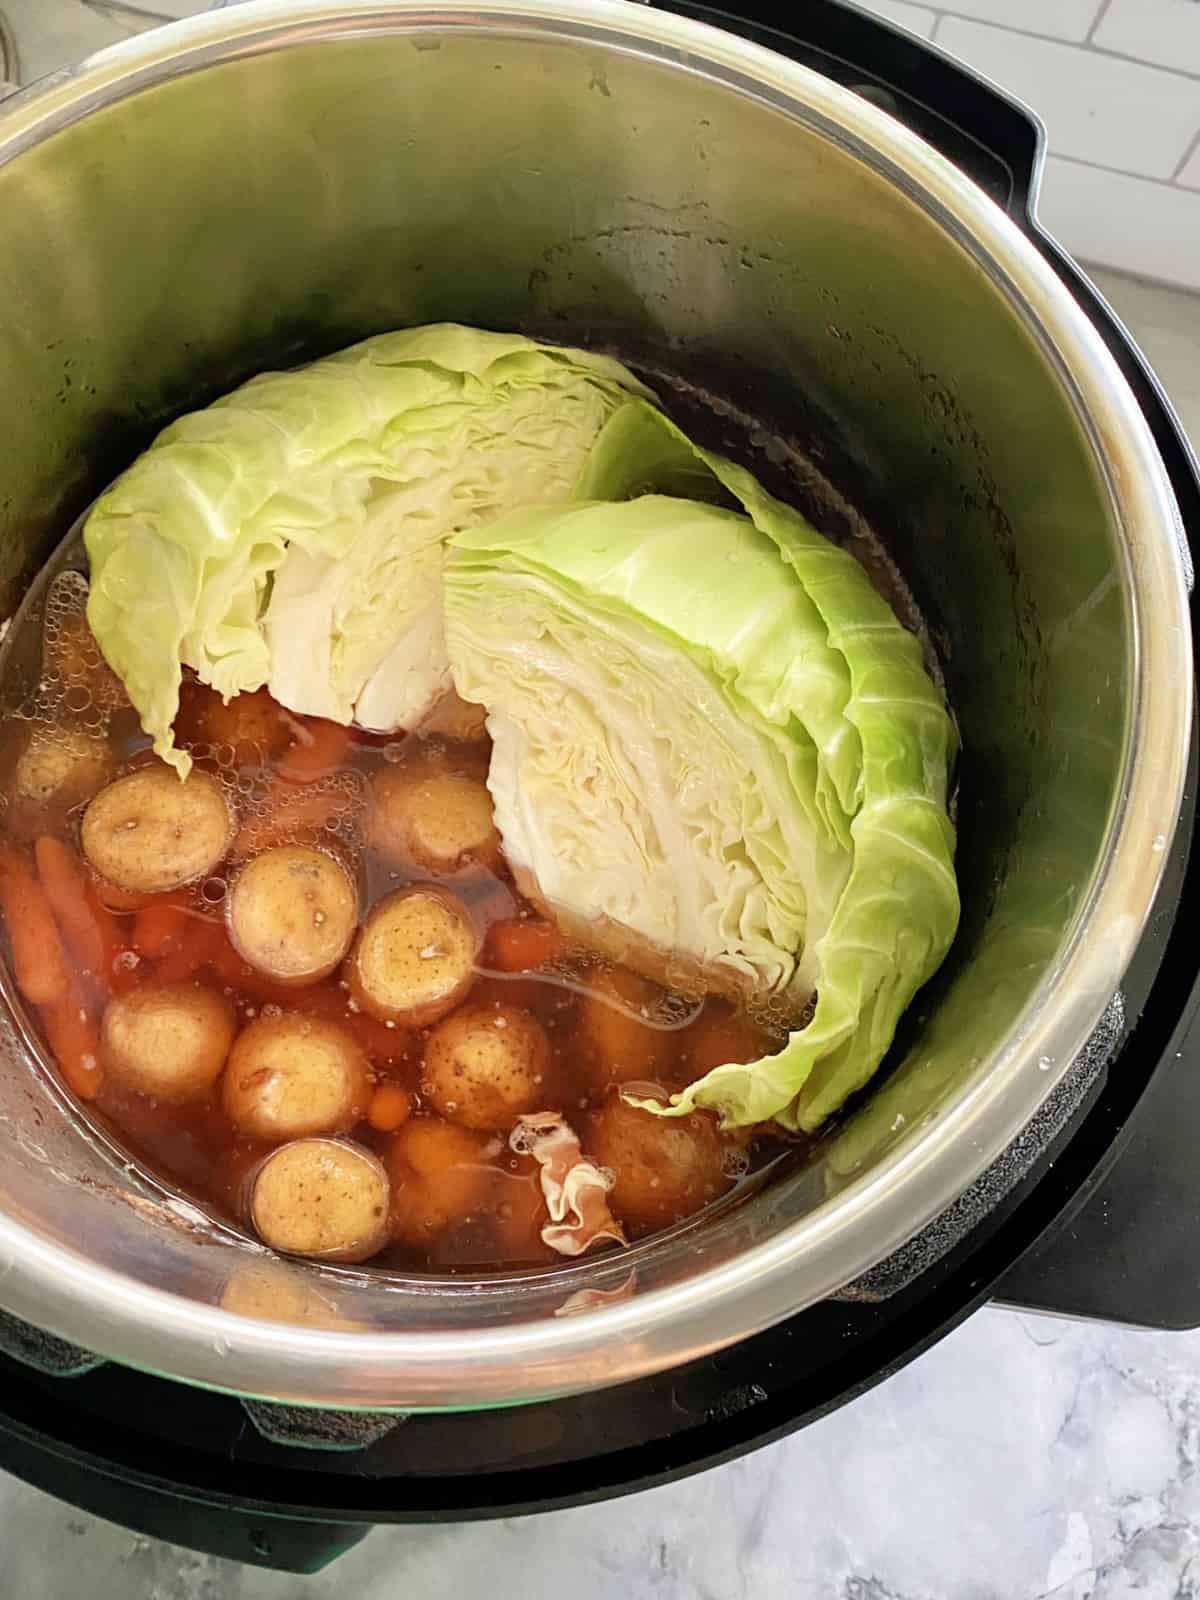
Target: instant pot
x=822 y=248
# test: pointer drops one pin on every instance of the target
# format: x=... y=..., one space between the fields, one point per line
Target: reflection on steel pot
x=254 y=187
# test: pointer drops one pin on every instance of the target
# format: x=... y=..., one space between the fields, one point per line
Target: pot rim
x=115 y=1315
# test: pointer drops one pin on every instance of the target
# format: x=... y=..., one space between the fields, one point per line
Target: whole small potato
x=441 y=1176
x=149 y=832
x=324 y=1198
x=292 y=913
x=664 y=1168
x=167 y=1041
x=486 y=1065
x=292 y=1075
x=432 y=815
x=64 y=765
x=615 y=1040
x=719 y=1035
x=415 y=957
x=251 y=725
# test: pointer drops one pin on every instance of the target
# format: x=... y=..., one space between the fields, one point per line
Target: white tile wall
x=1061 y=19
x=1117 y=83
x=1147 y=228
x=917 y=19
x=1096 y=108
x=1166 y=31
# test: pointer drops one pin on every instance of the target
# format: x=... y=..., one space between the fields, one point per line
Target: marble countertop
x=1024 y=1457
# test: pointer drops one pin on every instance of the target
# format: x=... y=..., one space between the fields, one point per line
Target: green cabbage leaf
x=292 y=533
x=709 y=728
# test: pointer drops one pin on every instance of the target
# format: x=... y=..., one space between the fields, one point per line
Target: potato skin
x=167 y=1041
x=62 y=765
x=148 y=832
x=292 y=1076
x=251 y=725
x=431 y=815
x=292 y=913
x=414 y=959
x=487 y=1065
x=614 y=1047
x=325 y=1198
x=440 y=1178
x=665 y=1167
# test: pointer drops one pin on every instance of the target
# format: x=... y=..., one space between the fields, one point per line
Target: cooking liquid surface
x=298 y=781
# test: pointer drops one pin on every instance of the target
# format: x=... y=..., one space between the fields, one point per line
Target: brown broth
x=295 y=780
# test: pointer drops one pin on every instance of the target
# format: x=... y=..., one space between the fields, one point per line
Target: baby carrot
x=73 y=1037
x=39 y=961
x=120 y=963
x=198 y=948
x=390 y=1107
x=160 y=926
x=66 y=885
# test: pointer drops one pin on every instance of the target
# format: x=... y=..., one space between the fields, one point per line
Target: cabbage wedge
x=292 y=533
x=711 y=731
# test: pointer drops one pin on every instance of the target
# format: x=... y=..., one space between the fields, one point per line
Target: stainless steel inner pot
x=270 y=182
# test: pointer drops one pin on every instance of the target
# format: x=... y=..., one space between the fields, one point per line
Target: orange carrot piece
x=317 y=749
x=519 y=946
x=66 y=884
x=390 y=1107
x=39 y=960
x=120 y=966
x=198 y=948
x=74 y=1039
x=160 y=926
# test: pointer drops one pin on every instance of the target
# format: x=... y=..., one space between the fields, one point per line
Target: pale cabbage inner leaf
x=630 y=774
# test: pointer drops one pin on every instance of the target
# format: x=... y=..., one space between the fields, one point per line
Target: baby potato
x=149 y=832
x=432 y=816
x=454 y=718
x=487 y=1065
x=415 y=956
x=719 y=1035
x=440 y=1177
x=167 y=1041
x=63 y=765
x=617 y=1047
x=252 y=725
x=291 y=1076
x=292 y=913
x=323 y=1198
x=665 y=1167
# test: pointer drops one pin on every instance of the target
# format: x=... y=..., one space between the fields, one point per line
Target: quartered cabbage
x=291 y=534
x=709 y=728
x=709 y=732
